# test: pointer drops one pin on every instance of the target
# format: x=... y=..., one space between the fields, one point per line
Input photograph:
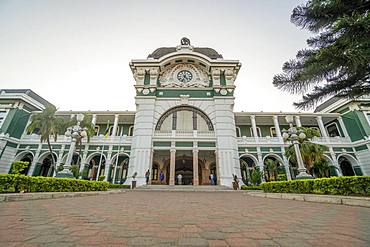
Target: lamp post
x=294 y=136
x=75 y=132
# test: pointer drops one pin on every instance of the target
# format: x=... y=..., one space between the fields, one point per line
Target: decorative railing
x=275 y=140
x=183 y=133
x=61 y=139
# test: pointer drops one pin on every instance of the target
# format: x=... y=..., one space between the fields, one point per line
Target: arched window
x=184 y=118
x=238 y=132
x=131 y=131
x=333 y=130
x=258 y=131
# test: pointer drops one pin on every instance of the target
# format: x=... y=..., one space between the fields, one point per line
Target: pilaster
x=172 y=166
x=195 y=167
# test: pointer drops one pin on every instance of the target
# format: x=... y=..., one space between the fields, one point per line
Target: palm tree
x=271 y=168
x=48 y=125
x=311 y=152
x=321 y=168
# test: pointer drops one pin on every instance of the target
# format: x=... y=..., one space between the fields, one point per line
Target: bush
x=16 y=183
x=101 y=178
x=334 y=186
x=18 y=167
x=255 y=187
x=119 y=186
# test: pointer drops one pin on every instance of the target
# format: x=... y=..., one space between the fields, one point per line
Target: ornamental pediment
x=184 y=76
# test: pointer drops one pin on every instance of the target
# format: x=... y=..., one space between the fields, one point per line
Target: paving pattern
x=151 y=218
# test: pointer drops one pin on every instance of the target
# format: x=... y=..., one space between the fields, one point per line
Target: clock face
x=184 y=76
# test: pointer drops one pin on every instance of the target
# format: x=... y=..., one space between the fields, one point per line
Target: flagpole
x=115 y=168
x=101 y=155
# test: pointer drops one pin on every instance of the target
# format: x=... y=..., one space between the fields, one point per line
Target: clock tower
x=184 y=123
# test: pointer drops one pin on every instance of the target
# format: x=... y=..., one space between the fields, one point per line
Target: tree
x=256 y=176
x=48 y=125
x=271 y=169
x=321 y=168
x=337 y=62
x=311 y=152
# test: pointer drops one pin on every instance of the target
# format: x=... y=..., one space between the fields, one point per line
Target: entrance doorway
x=184 y=168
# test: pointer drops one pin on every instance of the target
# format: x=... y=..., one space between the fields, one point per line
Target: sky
x=75 y=53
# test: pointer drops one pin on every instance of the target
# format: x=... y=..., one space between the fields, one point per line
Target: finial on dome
x=185 y=41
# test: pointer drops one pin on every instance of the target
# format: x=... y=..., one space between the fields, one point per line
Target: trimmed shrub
x=119 y=186
x=357 y=185
x=16 y=183
x=18 y=167
x=251 y=187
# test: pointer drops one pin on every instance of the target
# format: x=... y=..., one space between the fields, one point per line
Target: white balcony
x=331 y=140
x=275 y=140
x=35 y=139
x=184 y=133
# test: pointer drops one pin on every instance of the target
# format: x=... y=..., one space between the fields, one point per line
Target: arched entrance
x=45 y=165
x=347 y=165
x=248 y=163
x=184 y=168
x=274 y=169
x=118 y=173
x=95 y=166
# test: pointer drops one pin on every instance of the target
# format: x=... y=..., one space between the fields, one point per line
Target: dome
x=162 y=51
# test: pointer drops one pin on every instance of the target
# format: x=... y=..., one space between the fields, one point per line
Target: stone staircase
x=202 y=188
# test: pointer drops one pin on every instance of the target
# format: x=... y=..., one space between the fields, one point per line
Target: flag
x=106 y=134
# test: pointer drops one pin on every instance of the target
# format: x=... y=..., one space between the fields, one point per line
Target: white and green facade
x=184 y=123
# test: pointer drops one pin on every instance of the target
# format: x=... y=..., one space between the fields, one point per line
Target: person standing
x=211 y=178
x=147 y=175
x=161 y=176
x=179 y=179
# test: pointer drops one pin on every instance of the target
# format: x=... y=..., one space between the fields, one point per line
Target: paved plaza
x=153 y=218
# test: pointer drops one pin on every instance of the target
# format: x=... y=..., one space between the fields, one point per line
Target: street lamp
x=75 y=132
x=294 y=136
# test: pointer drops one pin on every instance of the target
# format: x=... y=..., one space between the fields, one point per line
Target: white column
x=67 y=164
x=60 y=157
x=277 y=127
x=172 y=166
x=343 y=127
x=334 y=158
x=93 y=120
x=35 y=159
x=108 y=163
x=195 y=167
x=321 y=126
x=260 y=162
x=83 y=159
x=254 y=127
x=286 y=164
x=298 y=121
x=115 y=125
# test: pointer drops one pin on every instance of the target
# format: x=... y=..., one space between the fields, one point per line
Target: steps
x=203 y=188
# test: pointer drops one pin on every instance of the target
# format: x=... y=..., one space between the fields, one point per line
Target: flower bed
x=15 y=183
x=357 y=185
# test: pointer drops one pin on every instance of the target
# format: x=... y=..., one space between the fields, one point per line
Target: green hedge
x=335 y=186
x=14 y=183
x=119 y=186
x=251 y=187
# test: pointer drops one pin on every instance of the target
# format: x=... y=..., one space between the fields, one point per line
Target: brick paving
x=150 y=218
